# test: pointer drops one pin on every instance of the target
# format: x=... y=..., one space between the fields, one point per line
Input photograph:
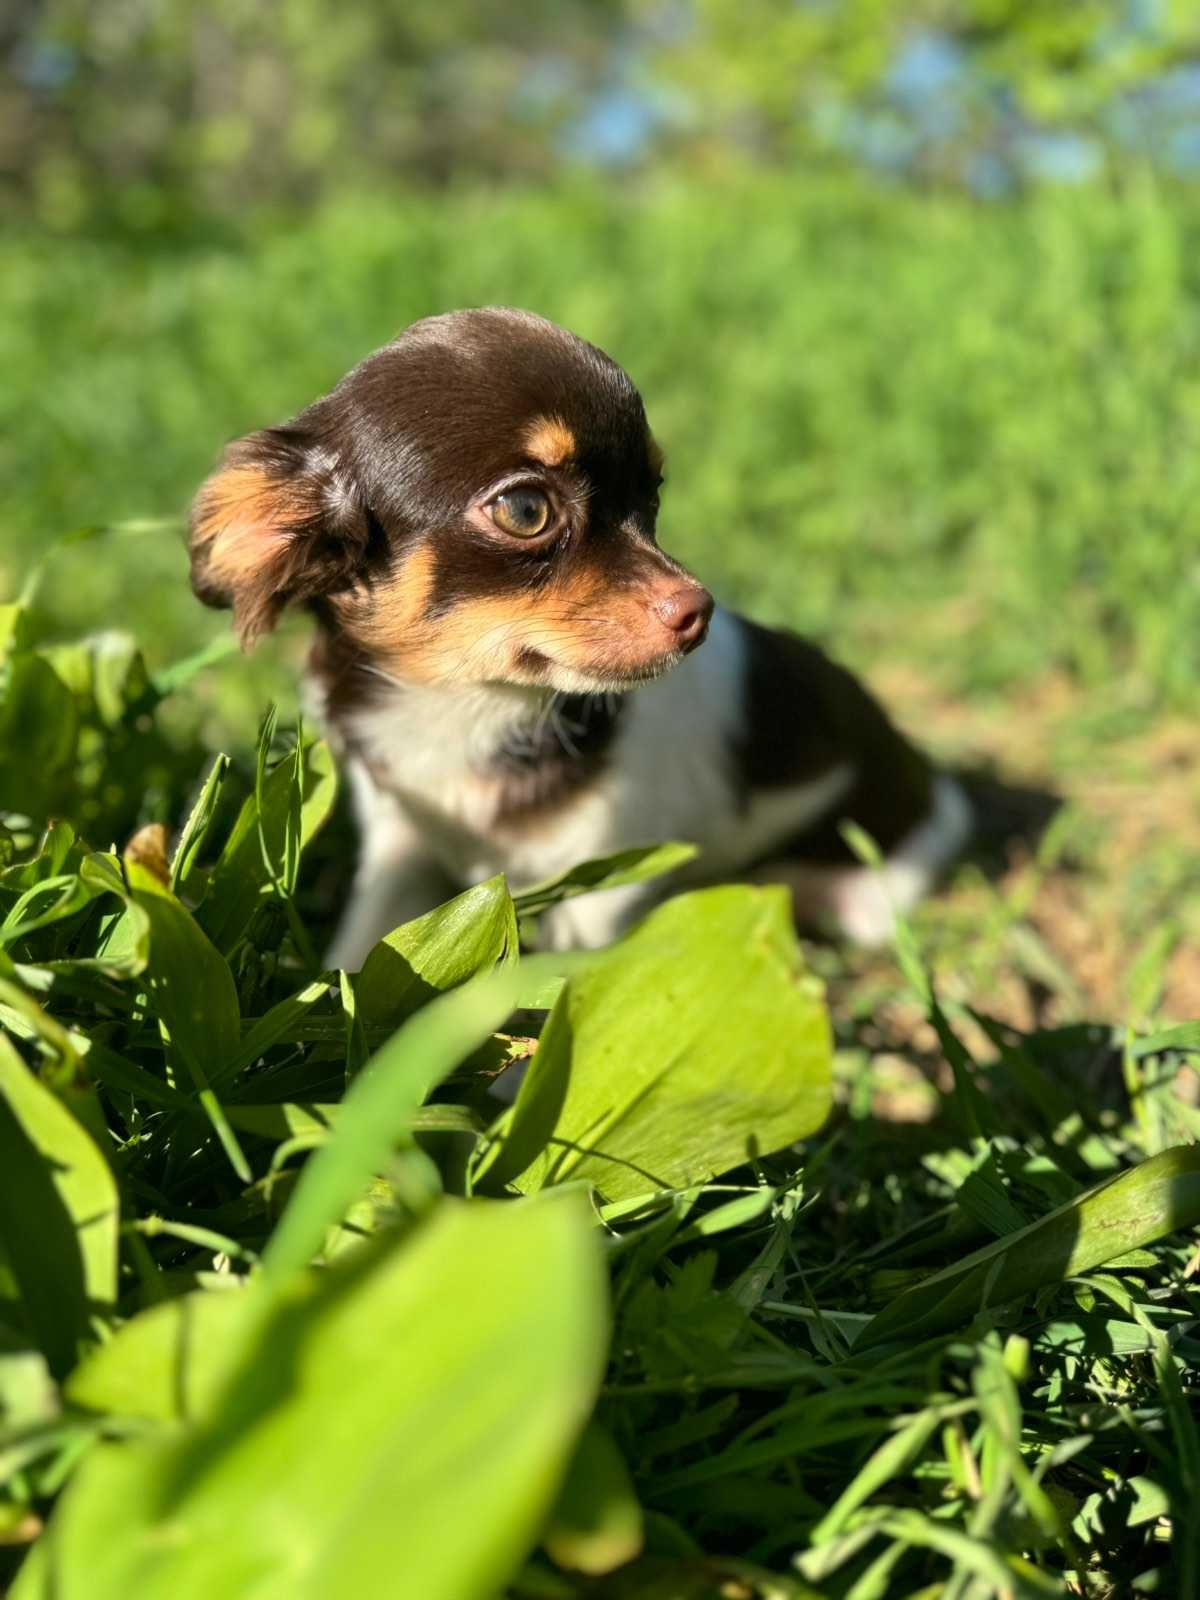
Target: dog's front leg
x=593 y=920
x=397 y=878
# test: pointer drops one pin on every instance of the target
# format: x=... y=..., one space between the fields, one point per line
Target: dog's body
x=504 y=657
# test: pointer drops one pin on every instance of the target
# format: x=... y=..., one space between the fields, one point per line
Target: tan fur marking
x=550 y=441
x=240 y=529
x=591 y=631
x=242 y=515
x=390 y=616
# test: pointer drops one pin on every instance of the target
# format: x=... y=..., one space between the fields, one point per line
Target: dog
x=516 y=677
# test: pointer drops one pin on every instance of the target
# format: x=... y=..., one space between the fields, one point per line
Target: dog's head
x=475 y=502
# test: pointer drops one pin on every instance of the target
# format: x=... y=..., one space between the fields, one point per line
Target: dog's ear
x=277 y=522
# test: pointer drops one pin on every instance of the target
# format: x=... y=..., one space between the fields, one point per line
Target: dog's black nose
x=686 y=611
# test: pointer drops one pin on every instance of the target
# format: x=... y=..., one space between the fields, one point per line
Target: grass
x=954 y=444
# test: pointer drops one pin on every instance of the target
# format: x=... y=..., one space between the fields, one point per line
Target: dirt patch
x=1100 y=915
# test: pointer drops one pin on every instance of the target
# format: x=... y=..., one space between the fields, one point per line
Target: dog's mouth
x=537 y=667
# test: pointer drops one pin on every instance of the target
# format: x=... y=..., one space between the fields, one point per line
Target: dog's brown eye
x=522 y=512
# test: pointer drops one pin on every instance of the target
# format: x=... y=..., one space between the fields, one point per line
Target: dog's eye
x=522 y=512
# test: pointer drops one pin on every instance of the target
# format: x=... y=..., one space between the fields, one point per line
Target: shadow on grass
x=1010 y=818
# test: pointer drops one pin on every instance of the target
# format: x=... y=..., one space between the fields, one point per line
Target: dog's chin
x=563 y=679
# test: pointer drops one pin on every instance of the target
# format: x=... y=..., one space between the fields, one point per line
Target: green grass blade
x=1132 y=1210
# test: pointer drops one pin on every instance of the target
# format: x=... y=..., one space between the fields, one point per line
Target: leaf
x=198 y=825
x=169 y=680
x=378 y=1110
x=466 y=936
x=106 y=671
x=192 y=993
x=638 y=865
x=984 y=1560
x=277 y=1024
x=38 y=728
x=1184 y=1037
x=124 y=946
x=596 y=1524
x=894 y=1456
x=694 y=1043
x=58 y=1216
x=191 y=989
x=408 y=1413
x=241 y=876
x=1126 y=1212
x=170 y=1362
x=28 y=1394
x=57 y=848
x=52 y=900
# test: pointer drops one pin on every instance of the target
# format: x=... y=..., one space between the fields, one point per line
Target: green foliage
x=412 y=1409
x=78 y=732
x=149 y=122
x=433 y=1342
x=630 y=1078
x=267 y=1241
x=58 y=1225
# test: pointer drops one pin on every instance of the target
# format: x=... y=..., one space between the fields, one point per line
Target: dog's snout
x=687 y=612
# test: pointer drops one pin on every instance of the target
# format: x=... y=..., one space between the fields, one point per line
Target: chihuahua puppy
x=511 y=668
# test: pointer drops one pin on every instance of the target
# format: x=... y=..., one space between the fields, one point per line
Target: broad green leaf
x=256 y=845
x=696 y=1042
x=169 y=1362
x=596 y=1524
x=61 y=1068
x=403 y=1418
x=191 y=989
x=638 y=865
x=58 y=1215
x=1148 y=1501
x=124 y=947
x=466 y=936
x=1124 y=1213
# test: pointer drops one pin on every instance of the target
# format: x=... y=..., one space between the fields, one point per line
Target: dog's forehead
x=494 y=385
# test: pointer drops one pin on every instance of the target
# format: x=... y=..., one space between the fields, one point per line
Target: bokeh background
x=912 y=291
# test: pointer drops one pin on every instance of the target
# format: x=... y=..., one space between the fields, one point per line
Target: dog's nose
x=687 y=612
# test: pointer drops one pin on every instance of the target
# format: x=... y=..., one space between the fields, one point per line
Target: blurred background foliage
x=145 y=113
